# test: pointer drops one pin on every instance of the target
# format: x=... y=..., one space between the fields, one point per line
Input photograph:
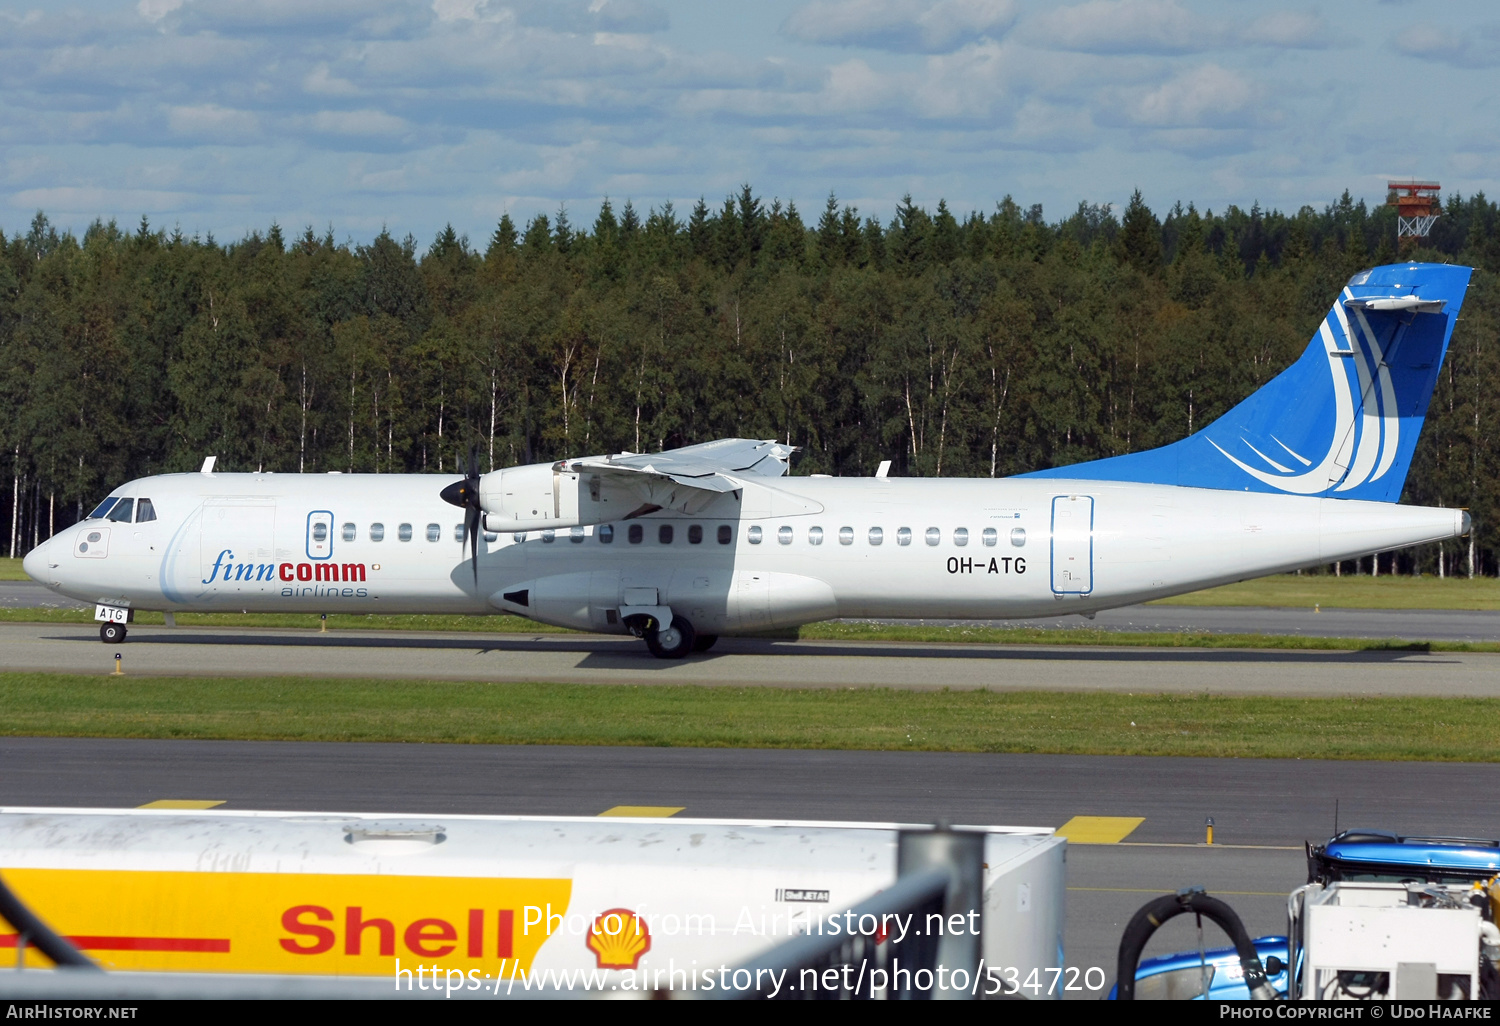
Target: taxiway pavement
x=184 y=651
x=1263 y=809
x=1403 y=624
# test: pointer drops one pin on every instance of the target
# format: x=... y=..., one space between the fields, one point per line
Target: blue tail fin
x=1343 y=420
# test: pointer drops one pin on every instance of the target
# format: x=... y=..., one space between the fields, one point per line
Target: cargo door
x=750 y=604
x=1072 y=544
x=236 y=547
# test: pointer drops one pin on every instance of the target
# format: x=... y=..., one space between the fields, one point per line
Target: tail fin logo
x=1365 y=441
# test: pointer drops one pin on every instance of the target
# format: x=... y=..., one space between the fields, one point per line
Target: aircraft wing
x=710 y=466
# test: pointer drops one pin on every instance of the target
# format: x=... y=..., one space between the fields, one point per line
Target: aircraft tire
x=674 y=642
x=705 y=642
x=112 y=633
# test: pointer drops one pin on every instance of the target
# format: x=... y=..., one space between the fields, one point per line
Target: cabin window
x=960 y=536
x=320 y=532
x=102 y=508
x=458 y=533
x=815 y=536
x=144 y=511
x=377 y=532
x=605 y=534
x=575 y=535
x=753 y=535
x=637 y=534
x=903 y=536
x=664 y=534
x=1018 y=536
x=434 y=532
x=877 y=535
x=350 y=532
x=784 y=535
x=846 y=536
x=549 y=536
x=934 y=535
x=122 y=511
x=726 y=534
x=695 y=534
x=403 y=532
x=990 y=536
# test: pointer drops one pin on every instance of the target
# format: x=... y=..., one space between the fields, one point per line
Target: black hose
x=1157 y=911
x=31 y=930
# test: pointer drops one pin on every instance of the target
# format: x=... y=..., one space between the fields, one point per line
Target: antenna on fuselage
x=208 y=465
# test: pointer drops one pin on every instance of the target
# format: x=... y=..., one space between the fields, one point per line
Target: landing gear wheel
x=705 y=642
x=674 y=642
x=112 y=633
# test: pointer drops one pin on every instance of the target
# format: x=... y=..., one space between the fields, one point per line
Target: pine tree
x=503 y=241
x=1140 y=237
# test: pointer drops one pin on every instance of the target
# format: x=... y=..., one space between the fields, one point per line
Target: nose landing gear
x=112 y=633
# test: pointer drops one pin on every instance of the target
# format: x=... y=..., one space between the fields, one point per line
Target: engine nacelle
x=544 y=495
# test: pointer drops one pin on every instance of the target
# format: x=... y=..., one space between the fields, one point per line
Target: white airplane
x=683 y=546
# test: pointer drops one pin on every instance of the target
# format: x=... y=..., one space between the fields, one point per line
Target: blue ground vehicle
x=1371 y=855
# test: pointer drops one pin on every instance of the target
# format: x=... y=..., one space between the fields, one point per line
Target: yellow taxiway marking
x=180 y=803
x=644 y=811
x=1099 y=829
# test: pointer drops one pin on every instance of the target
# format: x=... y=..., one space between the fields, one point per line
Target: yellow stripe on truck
x=292 y=922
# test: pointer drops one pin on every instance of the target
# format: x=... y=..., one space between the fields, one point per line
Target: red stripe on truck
x=218 y=945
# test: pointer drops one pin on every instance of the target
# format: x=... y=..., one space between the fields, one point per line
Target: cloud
x=358 y=122
x=1289 y=29
x=1167 y=27
x=1476 y=48
x=900 y=26
x=1207 y=95
x=211 y=121
x=1126 y=26
x=581 y=17
x=156 y=10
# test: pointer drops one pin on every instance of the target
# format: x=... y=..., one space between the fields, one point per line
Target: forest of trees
x=986 y=346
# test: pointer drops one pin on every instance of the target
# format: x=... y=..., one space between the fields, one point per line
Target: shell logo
x=618 y=939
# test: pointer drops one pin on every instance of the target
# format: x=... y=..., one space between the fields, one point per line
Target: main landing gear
x=673 y=642
x=112 y=633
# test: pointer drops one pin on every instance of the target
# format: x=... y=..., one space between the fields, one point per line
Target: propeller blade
x=471 y=528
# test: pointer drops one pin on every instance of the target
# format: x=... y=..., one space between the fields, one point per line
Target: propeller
x=465 y=494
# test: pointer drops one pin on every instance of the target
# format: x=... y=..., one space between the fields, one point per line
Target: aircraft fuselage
x=777 y=554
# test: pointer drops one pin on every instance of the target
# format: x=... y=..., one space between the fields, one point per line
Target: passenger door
x=1072 y=544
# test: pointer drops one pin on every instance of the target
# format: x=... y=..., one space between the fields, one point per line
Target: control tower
x=1417 y=208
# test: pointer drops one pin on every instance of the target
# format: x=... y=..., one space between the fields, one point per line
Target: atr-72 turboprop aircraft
x=682 y=546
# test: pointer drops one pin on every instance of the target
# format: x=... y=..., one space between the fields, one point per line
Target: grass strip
x=837 y=631
x=831 y=631
x=1350 y=592
x=305 y=709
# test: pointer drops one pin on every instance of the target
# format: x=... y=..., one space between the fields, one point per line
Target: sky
x=223 y=116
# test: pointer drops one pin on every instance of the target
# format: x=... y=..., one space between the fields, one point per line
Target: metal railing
x=30 y=930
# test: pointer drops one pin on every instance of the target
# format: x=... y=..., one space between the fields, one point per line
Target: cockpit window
x=102 y=508
x=144 y=511
x=121 y=512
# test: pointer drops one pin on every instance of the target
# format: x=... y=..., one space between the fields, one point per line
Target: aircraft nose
x=35 y=563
